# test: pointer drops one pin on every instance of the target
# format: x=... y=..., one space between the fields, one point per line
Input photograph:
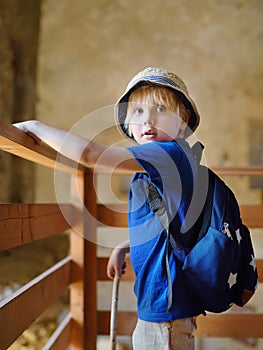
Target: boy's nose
x=148 y=118
x=148 y=122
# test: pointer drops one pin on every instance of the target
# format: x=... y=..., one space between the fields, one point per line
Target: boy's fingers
x=124 y=266
x=119 y=272
x=110 y=273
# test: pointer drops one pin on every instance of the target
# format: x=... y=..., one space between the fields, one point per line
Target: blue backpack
x=220 y=267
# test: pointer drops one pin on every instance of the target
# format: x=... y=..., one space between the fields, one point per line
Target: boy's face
x=151 y=123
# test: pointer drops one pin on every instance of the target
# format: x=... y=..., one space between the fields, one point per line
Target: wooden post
x=90 y=263
x=83 y=297
x=76 y=288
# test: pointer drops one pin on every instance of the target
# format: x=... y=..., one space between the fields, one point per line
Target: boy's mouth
x=149 y=133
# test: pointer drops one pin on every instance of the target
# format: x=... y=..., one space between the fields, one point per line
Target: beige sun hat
x=160 y=77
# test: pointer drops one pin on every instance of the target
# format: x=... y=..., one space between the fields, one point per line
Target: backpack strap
x=158 y=208
x=208 y=206
x=197 y=151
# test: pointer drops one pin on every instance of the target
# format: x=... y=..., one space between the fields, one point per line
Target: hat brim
x=122 y=103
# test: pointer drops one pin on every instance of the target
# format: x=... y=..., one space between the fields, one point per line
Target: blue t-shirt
x=170 y=166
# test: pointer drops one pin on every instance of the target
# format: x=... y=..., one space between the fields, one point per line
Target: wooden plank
x=252 y=215
x=212 y=325
x=18 y=311
x=24 y=223
x=60 y=339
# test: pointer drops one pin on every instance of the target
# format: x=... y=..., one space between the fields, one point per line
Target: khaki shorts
x=173 y=335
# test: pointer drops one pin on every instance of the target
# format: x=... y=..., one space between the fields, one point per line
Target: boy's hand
x=27 y=126
x=116 y=264
x=30 y=128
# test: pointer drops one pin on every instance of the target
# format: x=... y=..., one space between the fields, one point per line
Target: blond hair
x=159 y=96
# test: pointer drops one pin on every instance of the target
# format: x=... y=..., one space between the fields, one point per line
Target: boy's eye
x=138 y=111
x=161 y=109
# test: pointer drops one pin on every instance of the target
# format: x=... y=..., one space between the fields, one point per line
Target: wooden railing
x=24 y=223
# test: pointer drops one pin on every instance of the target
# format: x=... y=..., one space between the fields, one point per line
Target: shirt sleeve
x=171 y=168
x=160 y=160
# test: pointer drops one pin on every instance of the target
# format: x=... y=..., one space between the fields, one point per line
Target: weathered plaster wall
x=90 y=49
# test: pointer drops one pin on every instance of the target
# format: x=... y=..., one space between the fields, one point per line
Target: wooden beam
x=18 y=311
x=24 y=223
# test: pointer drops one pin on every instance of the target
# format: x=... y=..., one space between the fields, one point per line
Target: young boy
x=157 y=113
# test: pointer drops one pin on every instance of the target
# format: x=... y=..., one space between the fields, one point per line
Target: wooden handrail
x=19 y=143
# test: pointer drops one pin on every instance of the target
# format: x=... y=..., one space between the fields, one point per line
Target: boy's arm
x=79 y=148
x=116 y=264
